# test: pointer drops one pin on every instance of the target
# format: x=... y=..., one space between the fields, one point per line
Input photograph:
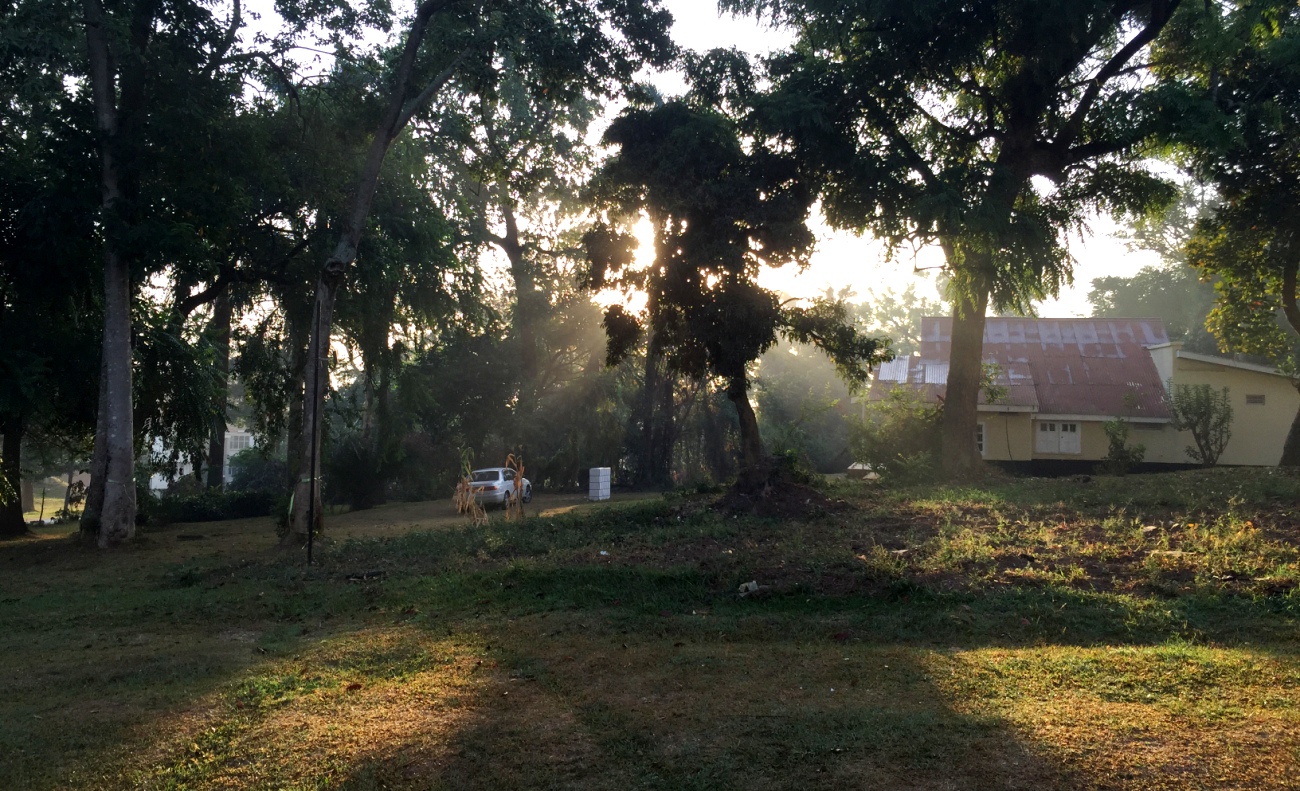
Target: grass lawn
x=1131 y=632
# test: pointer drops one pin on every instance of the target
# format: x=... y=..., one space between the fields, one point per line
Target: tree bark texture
x=529 y=308
x=307 y=510
x=94 y=503
x=11 y=508
x=961 y=400
x=1291 y=450
x=219 y=330
x=751 y=442
x=116 y=522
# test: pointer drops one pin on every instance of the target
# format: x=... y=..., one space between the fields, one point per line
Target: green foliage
x=8 y=492
x=1121 y=457
x=1206 y=413
x=211 y=505
x=1178 y=294
x=896 y=315
x=1175 y=293
x=990 y=374
x=829 y=326
x=1239 y=71
x=719 y=213
x=790 y=465
x=253 y=470
x=899 y=437
x=722 y=207
x=357 y=472
x=804 y=406
x=926 y=123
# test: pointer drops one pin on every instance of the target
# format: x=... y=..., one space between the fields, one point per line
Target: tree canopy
x=721 y=207
x=991 y=128
x=1239 y=66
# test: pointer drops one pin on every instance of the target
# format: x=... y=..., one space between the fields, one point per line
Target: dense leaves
x=992 y=129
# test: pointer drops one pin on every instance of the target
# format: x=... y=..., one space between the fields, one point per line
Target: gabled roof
x=1095 y=367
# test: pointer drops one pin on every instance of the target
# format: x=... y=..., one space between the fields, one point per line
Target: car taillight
x=489 y=488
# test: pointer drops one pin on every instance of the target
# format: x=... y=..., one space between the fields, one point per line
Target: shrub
x=1208 y=415
x=212 y=506
x=252 y=470
x=1121 y=457
x=899 y=437
x=357 y=473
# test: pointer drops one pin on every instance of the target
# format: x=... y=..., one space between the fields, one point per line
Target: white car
x=495 y=484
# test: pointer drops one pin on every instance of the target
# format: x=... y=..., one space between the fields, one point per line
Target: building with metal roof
x=1056 y=381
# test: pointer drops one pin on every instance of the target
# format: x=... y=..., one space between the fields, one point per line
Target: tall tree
x=721 y=209
x=579 y=41
x=990 y=128
x=516 y=147
x=157 y=70
x=1239 y=66
x=49 y=310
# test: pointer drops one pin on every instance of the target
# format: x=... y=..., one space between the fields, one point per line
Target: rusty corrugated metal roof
x=1053 y=366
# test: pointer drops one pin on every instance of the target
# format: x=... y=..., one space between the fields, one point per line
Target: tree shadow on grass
x=590 y=711
x=606 y=677
x=637 y=600
x=621 y=678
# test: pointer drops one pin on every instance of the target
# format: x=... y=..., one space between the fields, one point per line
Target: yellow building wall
x=1011 y=438
x=1093 y=444
x=1258 y=431
x=1007 y=436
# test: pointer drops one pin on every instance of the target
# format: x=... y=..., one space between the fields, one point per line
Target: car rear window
x=486 y=475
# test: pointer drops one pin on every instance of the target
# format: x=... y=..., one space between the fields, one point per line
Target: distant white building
x=237 y=439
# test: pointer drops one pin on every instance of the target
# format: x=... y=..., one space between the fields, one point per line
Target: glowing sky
x=843 y=259
x=846 y=260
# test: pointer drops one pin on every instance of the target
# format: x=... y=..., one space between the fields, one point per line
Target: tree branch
x=186 y=306
x=435 y=85
x=914 y=158
x=1160 y=15
x=227 y=41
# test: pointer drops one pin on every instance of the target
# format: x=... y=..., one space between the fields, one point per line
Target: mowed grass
x=1131 y=632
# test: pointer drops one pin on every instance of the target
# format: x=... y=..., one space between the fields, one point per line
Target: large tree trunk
x=751 y=443
x=116 y=522
x=965 y=369
x=298 y=329
x=11 y=507
x=646 y=408
x=527 y=311
x=307 y=512
x=219 y=329
x=1291 y=450
x=396 y=116
x=657 y=421
x=94 y=503
x=117 y=514
x=718 y=458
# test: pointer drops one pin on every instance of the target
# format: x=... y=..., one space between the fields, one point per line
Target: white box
x=598 y=483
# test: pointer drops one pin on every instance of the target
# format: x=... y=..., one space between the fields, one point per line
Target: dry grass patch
x=1166 y=717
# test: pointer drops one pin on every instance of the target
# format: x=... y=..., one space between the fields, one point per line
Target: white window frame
x=981 y=438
